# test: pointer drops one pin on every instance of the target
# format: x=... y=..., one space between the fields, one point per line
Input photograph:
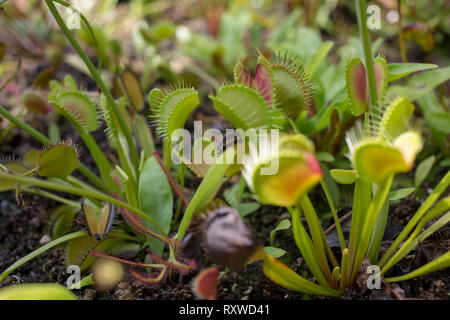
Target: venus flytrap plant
x=366 y=208
x=379 y=149
x=124 y=180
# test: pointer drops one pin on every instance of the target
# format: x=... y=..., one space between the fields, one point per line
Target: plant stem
x=401 y=38
x=102 y=163
x=81 y=192
x=167 y=153
x=361 y=199
x=42 y=193
x=98 y=79
x=306 y=247
x=378 y=233
x=361 y=7
x=180 y=199
x=335 y=216
x=171 y=180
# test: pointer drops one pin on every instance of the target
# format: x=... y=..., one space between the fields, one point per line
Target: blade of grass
x=441 y=207
x=361 y=200
x=440 y=263
x=368 y=224
x=286 y=277
x=316 y=234
x=440 y=188
x=422 y=237
x=378 y=233
x=41 y=250
x=344 y=269
x=306 y=247
x=335 y=216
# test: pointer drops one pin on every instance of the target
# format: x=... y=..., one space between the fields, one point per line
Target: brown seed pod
x=227 y=240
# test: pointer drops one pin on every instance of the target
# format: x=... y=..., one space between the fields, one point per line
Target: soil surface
x=22 y=230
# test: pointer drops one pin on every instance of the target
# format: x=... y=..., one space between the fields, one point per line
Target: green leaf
x=431 y=199
x=14 y=167
x=246 y=208
x=400 y=193
x=322 y=119
x=400 y=70
x=78 y=250
x=439 y=121
x=207 y=189
x=58 y=161
x=435 y=116
x=36 y=291
x=324 y=156
x=286 y=277
x=422 y=83
x=343 y=176
x=275 y=252
x=396 y=117
x=422 y=171
x=445 y=162
x=440 y=263
x=34 y=102
x=283 y=225
x=232 y=195
x=132 y=88
x=229 y=101
x=86 y=281
x=144 y=135
x=316 y=59
x=306 y=247
x=155 y=199
x=63 y=218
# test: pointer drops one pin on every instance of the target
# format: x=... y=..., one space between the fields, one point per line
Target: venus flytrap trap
x=356 y=80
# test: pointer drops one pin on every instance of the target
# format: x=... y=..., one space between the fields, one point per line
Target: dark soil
x=22 y=230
